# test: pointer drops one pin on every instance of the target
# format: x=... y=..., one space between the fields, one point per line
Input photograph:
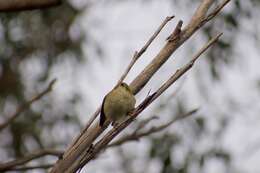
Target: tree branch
x=216 y=10
x=26 y=105
x=139 y=53
x=136 y=136
x=136 y=56
x=21 y=5
x=196 y=22
x=91 y=152
x=35 y=155
x=144 y=122
x=78 y=154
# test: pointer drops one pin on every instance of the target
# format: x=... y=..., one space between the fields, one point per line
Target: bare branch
x=138 y=54
x=170 y=47
x=144 y=122
x=102 y=143
x=180 y=72
x=177 y=90
x=216 y=10
x=26 y=105
x=136 y=136
x=35 y=155
x=176 y=32
x=78 y=154
x=21 y=5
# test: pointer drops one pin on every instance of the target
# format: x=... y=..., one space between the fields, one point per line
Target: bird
x=117 y=104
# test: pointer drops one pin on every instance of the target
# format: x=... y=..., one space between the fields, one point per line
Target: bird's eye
x=126 y=86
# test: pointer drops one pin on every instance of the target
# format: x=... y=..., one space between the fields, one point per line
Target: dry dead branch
x=85 y=146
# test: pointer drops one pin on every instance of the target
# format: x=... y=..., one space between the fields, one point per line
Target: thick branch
x=81 y=141
x=26 y=105
x=136 y=56
x=35 y=155
x=87 y=155
x=21 y=5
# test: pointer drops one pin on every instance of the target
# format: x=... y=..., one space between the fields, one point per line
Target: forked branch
x=135 y=57
x=137 y=135
x=102 y=143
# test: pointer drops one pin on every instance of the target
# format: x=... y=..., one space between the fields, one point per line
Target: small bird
x=117 y=104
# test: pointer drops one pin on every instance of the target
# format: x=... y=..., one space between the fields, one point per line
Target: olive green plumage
x=117 y=104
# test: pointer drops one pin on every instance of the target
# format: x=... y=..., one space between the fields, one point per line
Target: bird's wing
x=102 y=114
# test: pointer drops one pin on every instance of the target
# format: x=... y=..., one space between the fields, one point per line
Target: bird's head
x=124 y=85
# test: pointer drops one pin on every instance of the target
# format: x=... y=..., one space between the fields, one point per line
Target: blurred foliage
x=42 y=35
x=231 y=21
x=165 y=146
x=161 y=148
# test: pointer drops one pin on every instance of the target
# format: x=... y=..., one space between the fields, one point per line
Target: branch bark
x=21 y=5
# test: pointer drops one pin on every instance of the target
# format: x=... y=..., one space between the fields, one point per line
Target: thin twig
x=216 y=10
x=176 y=32
x=136 y=136
x=176 y=91
x=29 y=157
x=180 y=72
x=26 y=105
x=144 y=122
x=102 y=143
x=139 y=53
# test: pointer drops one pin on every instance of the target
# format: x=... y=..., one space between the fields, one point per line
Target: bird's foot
x=131 y=112
x=115 y=125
